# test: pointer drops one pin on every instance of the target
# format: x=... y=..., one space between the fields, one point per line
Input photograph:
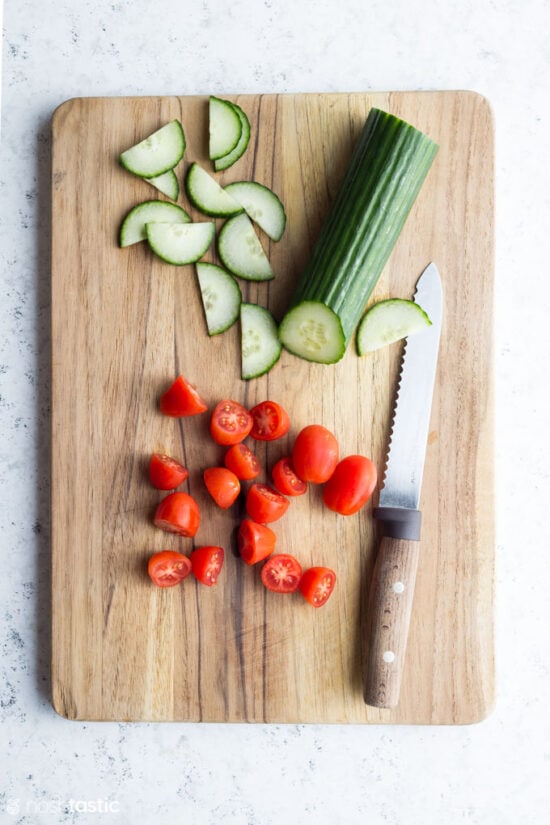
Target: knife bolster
x=399 y=522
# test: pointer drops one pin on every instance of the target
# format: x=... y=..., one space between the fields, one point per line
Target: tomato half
x=255 y=541
x=206 y=564
x=241 y=460
x=181 y=399
x=351 y=485
x=168 y=568
x=315 y=454
x=165 y=473
x=271 y=421
x=178 y=513
x=223 y=485
x=285 y=479
x=265 y=504
x=316 y=585
x=230 y=423
x=281 y=573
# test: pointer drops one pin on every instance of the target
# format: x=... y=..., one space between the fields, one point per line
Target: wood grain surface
x=124 y=324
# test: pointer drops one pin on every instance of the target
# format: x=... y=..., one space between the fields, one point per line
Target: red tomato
x=223 y=485
x=351 y=485
x=285 y=479
x=241 y=460
x=271 y=421
x=265 y=504
x=255 y=541
x=206 y=563
x=281 y=573
x=230 y=423
x=166 y=473
x=178 y=513
x=315 y=454
x=317 y=584
x=181 y=398
x=168 y=568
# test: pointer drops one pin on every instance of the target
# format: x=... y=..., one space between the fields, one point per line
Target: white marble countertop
x=493 y=773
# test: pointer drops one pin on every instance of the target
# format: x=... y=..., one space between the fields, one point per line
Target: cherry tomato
x=271 y=421
x=178 y=513
x=223 y=485
x=317 y=584
x=206 y=563
x=281 y=573
x=230 y=423
x=255 y=541
x=265 y=504
x=166 y=473
x=285 y=479
x=351 y=485
x=168 y=568
x=315 y=454
x=181 y=399
x=241 y=460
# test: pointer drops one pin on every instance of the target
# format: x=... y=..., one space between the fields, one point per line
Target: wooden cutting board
x=124 y=324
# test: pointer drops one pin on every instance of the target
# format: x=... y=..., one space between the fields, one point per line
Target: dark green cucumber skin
x=386 y=171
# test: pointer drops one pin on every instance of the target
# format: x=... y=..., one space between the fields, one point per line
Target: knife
x=392 y=584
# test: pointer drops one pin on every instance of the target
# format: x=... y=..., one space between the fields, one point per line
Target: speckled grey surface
x=494 y=773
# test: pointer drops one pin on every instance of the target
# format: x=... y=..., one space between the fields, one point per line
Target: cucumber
x=241 y=252
x=261 y=204
x=383 y=178
x=157 y=153
x=260 y=345
x=389 y=321
x=180 y=243
x=224 y=126
x=221 y=297
x=167 y=183
x=206 y=194
x=238 y=151
x=132 y=228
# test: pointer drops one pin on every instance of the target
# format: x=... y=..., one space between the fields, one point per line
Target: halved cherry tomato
x=271 y=421
x=281 y=573
x=181 y=399
x=241 y=460
x=285 y=479
x=168 y=568
x=230 y=423
x=351 y=485
x=265 y=504
x=317 y=584
x=255 y=541
x=315 y=454
x=178 y=513
x=206 y=563
x=223 y=485
x=166 y=473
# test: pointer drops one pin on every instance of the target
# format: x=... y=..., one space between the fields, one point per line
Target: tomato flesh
x=315 y=454
x=285 y=479
x=165 y=473
x=230 y=423
x=265 y=504
x=351 y=485
x=281 y=573
x=241 y=460
x=206 y=564
x=255 y=541
x=223 y=485
x=182 y=399
x=168 y=568
x=271 y=421
x=316 y=585
x=178 y=513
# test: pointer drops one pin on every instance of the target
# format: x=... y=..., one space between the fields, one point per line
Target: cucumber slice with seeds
x=180 y=244
x=260 y=345
x=132 y=229
x=206 y=194
x=238 y=151
x=225 y=127
x=313 y=331
x=389 y=321
x=261 y=204
x=161 y=151
x=241 y=252
x=221 y=297
x=167 y=183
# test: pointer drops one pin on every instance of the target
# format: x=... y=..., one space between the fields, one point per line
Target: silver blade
x=411 y=420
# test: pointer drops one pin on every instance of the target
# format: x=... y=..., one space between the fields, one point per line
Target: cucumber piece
x=261 y=204
x=167 y=183
x=314 y=332
x=159 y=152
x=132 y=228
x=238 y=151
x=389 y=321
x=383 y=178
x=221 y=297
x=225 y=127
x=241 y=252
x=206 y=194
x=260 y=345
x=180 y=243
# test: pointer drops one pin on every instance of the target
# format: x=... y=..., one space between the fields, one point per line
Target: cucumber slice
x=178 y=243
x=241 y=252
x=167 y=183
x=389 y=321
x=232 y=157
x=313 y=331
x=132 y=228
x=157 y=153
x=206 y=194
x=221 y=297
x=225 y=127
x=261 y=204
x=260 y=345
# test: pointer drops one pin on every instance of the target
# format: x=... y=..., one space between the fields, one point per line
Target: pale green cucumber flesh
x=207 y=195
x=225 y=127
x=389 y=321
x=262 y=205
x=160 y=151
x=132 y=229
x=241 y=252
x=180 y=244
x=313 y=331
x=232 y=157
x=167 y=183
x=260 y=345
x=221 y=297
